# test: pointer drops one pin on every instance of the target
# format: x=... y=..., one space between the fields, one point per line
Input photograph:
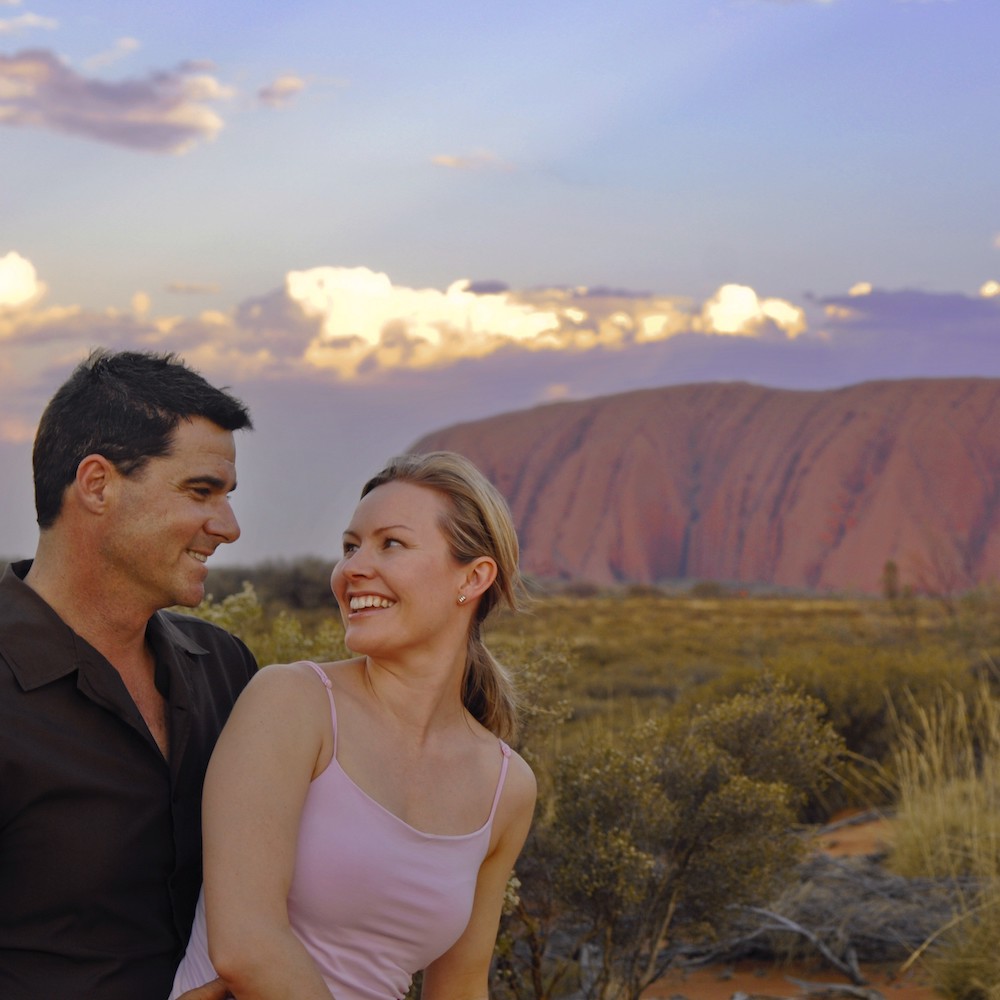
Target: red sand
x=756 y=980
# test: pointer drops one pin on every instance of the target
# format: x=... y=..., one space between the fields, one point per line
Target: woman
x=357 y=834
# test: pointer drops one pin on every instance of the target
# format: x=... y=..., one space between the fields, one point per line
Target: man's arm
x=215 y=990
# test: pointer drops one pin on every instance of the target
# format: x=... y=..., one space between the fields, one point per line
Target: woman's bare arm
x=255 y=788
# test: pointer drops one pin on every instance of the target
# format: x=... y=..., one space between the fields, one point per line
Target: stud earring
x=462 y=598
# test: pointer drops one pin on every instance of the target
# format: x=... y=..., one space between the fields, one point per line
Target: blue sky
x=374 y=219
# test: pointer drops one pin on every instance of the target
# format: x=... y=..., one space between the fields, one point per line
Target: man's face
x=171 y=516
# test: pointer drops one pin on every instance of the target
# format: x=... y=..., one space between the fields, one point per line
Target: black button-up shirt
x=100 y=836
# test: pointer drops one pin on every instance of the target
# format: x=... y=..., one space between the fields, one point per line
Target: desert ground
x=755 y=981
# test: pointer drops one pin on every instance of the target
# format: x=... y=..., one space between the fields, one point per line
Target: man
x=109 y=705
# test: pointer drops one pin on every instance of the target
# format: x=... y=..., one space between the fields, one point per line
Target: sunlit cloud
x=339 y=325
x=480 y=159
x=122 y=48
x=281 y=90
x=26 y=22
x=19 y=284
x=737 y=310
x=367 y=321
x=860 y=288
x=836 y=310
x=354 y=323
x=556 y=391
x=167 y=112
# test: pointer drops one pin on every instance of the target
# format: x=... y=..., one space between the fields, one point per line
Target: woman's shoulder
x=288 y=686
x=521 y=782
x=298 y=672
x=292 y=695
x=515 y=808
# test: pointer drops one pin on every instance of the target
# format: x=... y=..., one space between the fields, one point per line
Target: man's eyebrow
x=215 y=482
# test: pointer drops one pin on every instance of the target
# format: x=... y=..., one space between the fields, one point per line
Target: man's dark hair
x=125 y=406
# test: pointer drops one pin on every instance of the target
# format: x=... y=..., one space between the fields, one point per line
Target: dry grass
x=947 y=764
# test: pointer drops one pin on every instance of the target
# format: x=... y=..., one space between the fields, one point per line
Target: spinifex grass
x=947 y=764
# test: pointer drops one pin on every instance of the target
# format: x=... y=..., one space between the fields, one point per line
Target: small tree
x=890 y=580
x=657 y=833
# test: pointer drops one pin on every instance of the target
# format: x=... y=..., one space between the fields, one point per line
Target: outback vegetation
x=688 y=744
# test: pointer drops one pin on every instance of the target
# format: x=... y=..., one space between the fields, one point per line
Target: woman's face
x=397 y=582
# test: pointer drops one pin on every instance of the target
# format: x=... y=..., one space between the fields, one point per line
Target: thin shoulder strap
x=505 y=750
x=329 y=690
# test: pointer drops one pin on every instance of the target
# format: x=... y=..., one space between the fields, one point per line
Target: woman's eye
x=389 y=542
x=349 y=547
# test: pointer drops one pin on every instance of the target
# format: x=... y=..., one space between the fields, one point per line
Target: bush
x=656 y=832
x=277 y=638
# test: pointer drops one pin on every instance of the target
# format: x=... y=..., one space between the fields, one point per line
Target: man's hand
x=215 y=990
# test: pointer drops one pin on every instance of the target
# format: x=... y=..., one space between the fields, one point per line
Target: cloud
x=366 y=324
x=354 y=324
x=928 y=317
x=281 y=90
x=25 y=22
x=736 y=309
x=337 y=325
x=122 y=48
x=167 y=112
x=19 y=284
x=480 y=159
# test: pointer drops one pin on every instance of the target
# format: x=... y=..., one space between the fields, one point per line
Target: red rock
x=734 y=482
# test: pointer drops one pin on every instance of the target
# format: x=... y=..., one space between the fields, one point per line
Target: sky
x=374 y=220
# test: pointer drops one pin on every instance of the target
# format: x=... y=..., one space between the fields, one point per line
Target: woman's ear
x=479 y=576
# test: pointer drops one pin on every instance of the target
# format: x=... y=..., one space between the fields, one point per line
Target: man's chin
x=191 y=597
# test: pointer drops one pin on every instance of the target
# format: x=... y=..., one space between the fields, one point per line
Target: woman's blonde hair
x=479 y=523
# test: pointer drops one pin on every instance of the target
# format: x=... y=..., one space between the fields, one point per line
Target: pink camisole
x=372 y=899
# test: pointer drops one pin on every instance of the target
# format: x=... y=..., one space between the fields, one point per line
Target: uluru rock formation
x=739 y=483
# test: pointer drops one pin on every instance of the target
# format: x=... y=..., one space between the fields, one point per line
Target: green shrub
x=655 y=831
x=275 y=638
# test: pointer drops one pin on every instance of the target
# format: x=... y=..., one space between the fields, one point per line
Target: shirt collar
x=41 y=648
